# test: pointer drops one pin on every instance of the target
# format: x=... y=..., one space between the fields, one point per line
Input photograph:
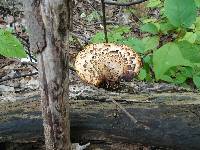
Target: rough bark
x=48 y=26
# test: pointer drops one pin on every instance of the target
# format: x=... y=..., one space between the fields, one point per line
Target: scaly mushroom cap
x=107 y=63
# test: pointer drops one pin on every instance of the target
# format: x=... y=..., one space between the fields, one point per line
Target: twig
x=110 y=2
x=124 y=110
x=19 y=76
x=135 y=121
x=104 y=20
x=25 y=42
x=31 y=64
x=107 y=22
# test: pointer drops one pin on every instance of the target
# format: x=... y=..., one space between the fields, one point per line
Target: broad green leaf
x=181 y=13
x=148 y=20
x=99 y=37
x=153 y=3
x=190 y=51
x=179 y=75
x=148 y=59
x=115 y=38
x=143 y=45
x=197 y=24
x=197 y=3
x=142 y=75
x=165 y=27
x=187 y=71
x=136 y=44
x=180 y=78
x=196 y=80
x=198 y=37
x=190 y=37
x=166 y=57
x=150 y=42
x=121 y=29
x=10 y=46
x=150 y=28
x=167 y=78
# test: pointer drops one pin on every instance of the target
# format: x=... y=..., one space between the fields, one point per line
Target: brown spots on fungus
x=105 y=64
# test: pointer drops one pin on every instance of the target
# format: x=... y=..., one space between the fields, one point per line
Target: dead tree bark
x=48 y=25
x=173 y=119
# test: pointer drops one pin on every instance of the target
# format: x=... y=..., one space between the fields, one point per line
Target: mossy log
x=173 y=119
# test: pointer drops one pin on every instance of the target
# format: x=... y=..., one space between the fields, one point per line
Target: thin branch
x=104 y=20
x=135 y=121
x=110 y=2
x=124 y=110
x=25 y=42
x=107 y=22
x=132 y=118
x=34 y=65
x=19 y=76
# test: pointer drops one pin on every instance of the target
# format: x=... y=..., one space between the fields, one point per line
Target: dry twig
x=19 y=76
x=110 y=2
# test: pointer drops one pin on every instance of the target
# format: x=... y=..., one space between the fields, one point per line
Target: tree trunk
x=48 y=26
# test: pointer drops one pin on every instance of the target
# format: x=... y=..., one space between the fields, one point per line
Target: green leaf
x=98 y=38
x=150 y=42
x=147 y=43
x=10 y=46
x=180 y=78
x=196 y=80
x=150 y=28
x=190 y=37
x=187 y=72
x=153 y=3
x=197 y=24
x=167 y=78
x=148 y=59
x=148 y=20
x=166 y=57
x=142 y=75
x=121 y=29
x=198 y=38
x=197 y=3
x=165 y=27
x=180 y=13
x=190 y=51
x=115 y=38
x=136 y=44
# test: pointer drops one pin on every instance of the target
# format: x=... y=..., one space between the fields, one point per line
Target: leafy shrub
x=171 y=46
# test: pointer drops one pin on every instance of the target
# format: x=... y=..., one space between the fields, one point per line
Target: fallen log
x=172 y=118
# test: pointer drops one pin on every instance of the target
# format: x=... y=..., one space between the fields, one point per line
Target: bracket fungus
x=106 y=64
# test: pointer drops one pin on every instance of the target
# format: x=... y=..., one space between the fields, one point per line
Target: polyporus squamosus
x=106 y=64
